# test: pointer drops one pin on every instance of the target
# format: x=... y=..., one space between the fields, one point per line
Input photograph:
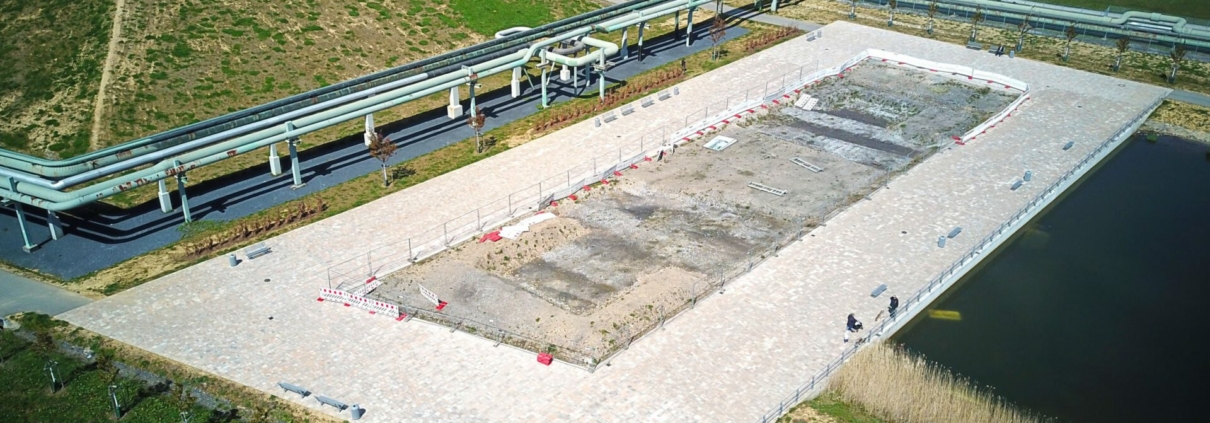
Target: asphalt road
x=100 y=236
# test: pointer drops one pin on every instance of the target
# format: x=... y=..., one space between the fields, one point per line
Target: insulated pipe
x=152 y=143
x=605 y=49
x=54 y=200
x=505 y=33
x=1180 y=30
x=637 y=17
x=209 y=139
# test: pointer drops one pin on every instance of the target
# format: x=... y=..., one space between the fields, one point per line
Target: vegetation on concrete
x=52 y=53
x=148 y=388
x=896 y=385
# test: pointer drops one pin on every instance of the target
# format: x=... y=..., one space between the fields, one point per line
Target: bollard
x=941 y=241
x=232 y=260
x=1029 y=175
x=356 y=411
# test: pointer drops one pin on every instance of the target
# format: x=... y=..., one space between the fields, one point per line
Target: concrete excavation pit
x=624 y=256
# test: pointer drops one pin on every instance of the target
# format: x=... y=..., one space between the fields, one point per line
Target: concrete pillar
x=641 y=26
x=689 y=29
x=54 y=224
x=455 y=108
x=165 y=197
x=774 y=8
x=545 y=102
x=27 y=247
x=274 y=161
x=564 y=74
x=516 y=82
x=625 y=53
x=294 y=169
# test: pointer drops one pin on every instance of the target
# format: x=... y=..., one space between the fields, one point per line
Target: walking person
x=894 y=306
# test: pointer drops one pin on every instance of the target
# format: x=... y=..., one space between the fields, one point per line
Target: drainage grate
x=766 y=188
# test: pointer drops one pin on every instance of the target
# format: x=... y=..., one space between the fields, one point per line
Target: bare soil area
x=625 y=255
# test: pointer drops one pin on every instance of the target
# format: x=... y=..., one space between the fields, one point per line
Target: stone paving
x=729 y=360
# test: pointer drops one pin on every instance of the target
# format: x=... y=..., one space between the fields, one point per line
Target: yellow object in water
x=945 y=314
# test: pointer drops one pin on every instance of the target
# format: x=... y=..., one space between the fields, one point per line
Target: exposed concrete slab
x=730 y=359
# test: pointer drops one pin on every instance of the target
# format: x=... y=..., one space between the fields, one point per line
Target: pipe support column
x=54 y=224
x=676 y=25
x=274 y=161
x=515 y=83
x=689 y=29
x=165 y=197
x=27 y=247
x=641 y=26
x=368 y=135
x=181 y=180
x=294 y=168
x=625 y=54
x=455 y=109
x=545 y=102
x=601 y=79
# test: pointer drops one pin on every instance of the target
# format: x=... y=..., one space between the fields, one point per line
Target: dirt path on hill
x=106 y=73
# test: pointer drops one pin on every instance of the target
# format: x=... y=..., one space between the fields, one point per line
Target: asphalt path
x=99 y=236
x=18 y=294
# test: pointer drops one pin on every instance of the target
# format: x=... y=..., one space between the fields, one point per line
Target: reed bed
x=903 y=387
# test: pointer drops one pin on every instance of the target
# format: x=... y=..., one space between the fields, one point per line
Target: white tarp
x=515 y=231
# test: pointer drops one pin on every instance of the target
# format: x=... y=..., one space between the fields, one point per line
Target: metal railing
x=915 y=303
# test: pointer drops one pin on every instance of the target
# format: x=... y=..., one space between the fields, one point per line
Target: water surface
x=1096 y=311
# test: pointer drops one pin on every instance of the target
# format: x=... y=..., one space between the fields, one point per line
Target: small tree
x=1022 y=30
x=932 y=14
x=975 y=20
x=1177 y=56
x=1123 y=44
x=853 y=9
x=1070 y=34
x=382 y=148
x=891 y=5
x=718 y=30
x=476 y=123
x=108 y=368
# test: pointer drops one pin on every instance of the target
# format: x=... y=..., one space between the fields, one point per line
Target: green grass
x=829 y=404
x=1199 y=9
x=25 y=391
x=52 y=53
x=488 y=16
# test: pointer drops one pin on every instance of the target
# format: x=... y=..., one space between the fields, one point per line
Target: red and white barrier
x=347 y=299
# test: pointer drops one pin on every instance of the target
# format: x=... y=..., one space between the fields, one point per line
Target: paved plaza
x=728 y=360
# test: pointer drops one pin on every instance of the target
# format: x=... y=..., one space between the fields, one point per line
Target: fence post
x=445 y=233
x=329 y=278
x=370 y=263
x=410 y=256
x=478 y=220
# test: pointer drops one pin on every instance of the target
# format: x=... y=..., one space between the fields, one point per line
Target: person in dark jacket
x=894 y=306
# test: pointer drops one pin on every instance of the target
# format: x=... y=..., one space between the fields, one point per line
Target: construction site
x=598 y=269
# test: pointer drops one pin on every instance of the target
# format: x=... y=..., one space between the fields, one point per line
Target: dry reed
x=897 y=385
